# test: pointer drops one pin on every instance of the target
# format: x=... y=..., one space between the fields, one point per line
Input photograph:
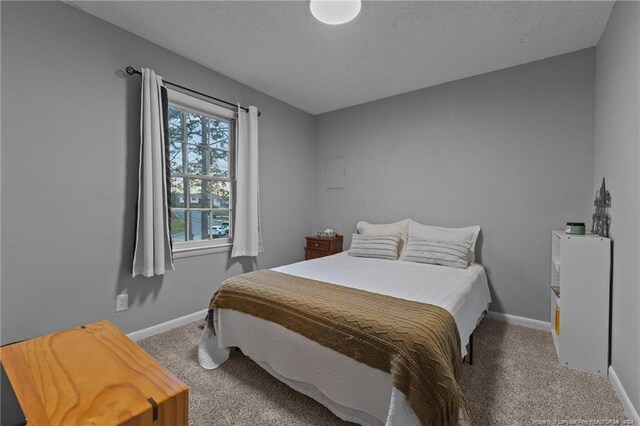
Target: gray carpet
x=515 y=380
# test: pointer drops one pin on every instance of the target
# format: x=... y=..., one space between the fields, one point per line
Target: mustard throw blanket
x=416 y=343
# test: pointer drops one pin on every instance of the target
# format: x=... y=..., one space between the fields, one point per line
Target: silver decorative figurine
x=601 y=219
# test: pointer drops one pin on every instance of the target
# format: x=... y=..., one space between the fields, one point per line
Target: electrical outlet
x=122 y=302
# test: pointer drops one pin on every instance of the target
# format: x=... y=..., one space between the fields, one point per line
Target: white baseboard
x=166 y=326
x=513 y=319
x=629 y=409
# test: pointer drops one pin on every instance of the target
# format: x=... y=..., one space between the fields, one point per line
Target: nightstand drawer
x=318 y=245
x=314 y=254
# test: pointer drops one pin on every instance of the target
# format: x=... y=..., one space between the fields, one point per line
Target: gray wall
x=511 y=151
x=69 y=171
x=617 y=157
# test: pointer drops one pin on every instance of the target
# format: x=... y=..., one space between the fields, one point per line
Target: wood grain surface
x=93 y=375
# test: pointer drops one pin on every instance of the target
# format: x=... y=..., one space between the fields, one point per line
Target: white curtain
x=247 y=237
x=152 y=254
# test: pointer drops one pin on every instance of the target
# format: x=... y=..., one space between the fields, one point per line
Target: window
x=201 y=148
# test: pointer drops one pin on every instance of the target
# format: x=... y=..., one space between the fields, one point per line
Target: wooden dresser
x=95 y=375
x=319 y=246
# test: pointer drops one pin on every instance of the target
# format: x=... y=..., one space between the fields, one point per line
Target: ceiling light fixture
x=335 y=12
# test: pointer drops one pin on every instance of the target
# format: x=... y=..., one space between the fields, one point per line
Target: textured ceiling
x=390 y=48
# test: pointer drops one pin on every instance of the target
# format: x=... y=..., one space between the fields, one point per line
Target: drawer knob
x=316 y=244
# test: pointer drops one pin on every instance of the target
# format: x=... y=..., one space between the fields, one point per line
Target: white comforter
x=351 y=390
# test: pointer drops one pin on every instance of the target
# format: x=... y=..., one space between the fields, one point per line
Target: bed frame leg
x=470 y=350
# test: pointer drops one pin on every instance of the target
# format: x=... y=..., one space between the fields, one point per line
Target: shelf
x=580 y=272
x=557 y=299
x=556 y=341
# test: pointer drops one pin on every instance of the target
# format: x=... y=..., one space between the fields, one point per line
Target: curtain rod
x=132 y=71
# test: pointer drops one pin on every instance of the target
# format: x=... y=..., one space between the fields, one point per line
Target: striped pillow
x=378 y=246
x=437 y=252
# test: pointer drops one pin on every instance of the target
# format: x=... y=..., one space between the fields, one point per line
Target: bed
x=352 y=390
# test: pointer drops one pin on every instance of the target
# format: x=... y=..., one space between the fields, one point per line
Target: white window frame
x=197 y=105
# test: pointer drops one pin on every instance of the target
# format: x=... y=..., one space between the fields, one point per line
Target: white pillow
x=378 y=246
x=468 y=234
x=402 y=228
x=454 y=254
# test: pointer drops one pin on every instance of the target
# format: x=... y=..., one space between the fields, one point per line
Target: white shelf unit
x=580 y=266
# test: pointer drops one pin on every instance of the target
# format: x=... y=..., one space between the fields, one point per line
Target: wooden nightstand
x=319 y=246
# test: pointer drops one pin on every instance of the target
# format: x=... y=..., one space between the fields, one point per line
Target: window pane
x=178 y=226
x=175 y=157
x=220 y=192
x=221 y=224
x=177 y=192
x=195 y=159
x=175 y=124
x=200 y=220
x=195 y=127
x=219 y=165
x=199 y=191
x=218 y=134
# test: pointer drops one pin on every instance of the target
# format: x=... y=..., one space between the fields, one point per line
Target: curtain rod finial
x=132 y=71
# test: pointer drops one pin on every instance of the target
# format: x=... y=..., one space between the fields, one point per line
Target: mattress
x=351 y=390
